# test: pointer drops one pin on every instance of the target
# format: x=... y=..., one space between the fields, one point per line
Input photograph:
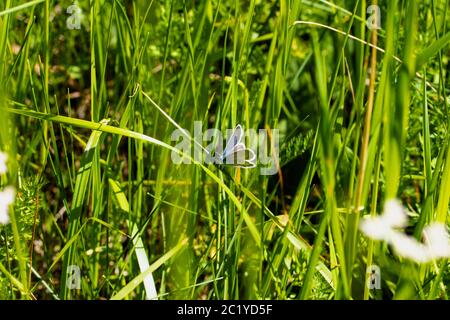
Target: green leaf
x=432 y=50
x=158 y=263
x=141 y=255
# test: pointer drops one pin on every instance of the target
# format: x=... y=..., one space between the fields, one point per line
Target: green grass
x=87 y=118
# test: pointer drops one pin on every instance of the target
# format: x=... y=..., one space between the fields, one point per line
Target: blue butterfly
x=236 y=153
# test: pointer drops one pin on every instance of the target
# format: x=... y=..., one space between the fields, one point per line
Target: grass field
x=353 y=97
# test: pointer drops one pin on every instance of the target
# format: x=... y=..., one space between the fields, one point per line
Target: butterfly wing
x=250 y=159
x=241 y=157
x=235 y=153
x=234 y=140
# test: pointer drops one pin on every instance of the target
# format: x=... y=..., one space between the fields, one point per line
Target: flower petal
x=437 y=240
x=408 y=247
x=6 y=199
x=394 y=214
x=375 y=228
x=3 y=159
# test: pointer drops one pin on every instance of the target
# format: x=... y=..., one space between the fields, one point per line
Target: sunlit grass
x=87 y=118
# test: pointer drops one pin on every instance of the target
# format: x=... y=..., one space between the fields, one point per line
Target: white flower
x=380 y=228
x=3 y=159
x=376 y=228
x=6 y=199
x=394 y=214
x=437 y=241
x=384 y=227
x=409 y=248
